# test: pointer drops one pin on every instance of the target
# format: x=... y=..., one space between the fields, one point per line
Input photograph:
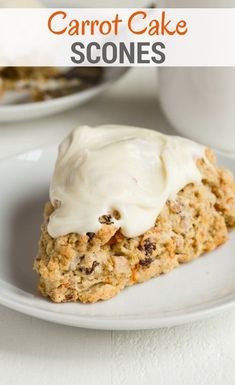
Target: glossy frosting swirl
x=127 y=170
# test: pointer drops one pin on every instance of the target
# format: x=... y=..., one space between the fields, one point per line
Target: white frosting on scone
x=117 y=169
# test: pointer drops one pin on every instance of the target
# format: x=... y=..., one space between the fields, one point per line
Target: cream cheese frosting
x=127 y=170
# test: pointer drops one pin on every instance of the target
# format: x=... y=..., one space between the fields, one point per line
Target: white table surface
x=36 y=352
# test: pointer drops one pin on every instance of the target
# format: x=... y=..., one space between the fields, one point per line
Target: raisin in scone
x=178 y=181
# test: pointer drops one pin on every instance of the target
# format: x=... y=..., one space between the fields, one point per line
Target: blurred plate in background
x=16 y=112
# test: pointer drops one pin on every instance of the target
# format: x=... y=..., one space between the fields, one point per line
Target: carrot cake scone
x=128 y=204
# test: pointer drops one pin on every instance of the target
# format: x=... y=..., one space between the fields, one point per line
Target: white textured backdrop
x=39 y=353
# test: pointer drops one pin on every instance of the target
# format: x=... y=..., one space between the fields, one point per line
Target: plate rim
x=24 y=106
x=104 y=323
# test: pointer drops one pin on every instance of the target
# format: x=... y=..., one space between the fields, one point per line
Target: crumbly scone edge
x=98 y=266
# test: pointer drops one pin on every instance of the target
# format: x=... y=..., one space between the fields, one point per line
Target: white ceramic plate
x=16 y=112
x=191 y=292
